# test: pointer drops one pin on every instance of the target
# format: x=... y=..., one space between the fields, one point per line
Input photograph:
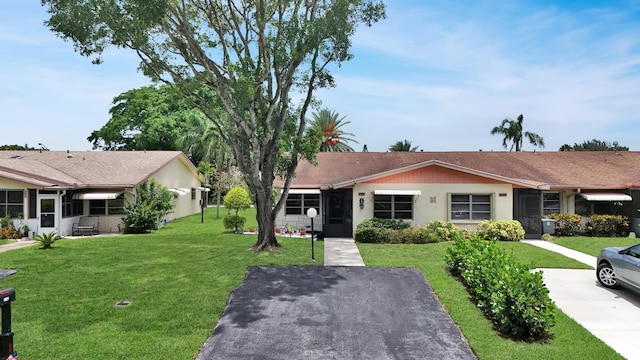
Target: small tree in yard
x=236 y=199
x=153 y=202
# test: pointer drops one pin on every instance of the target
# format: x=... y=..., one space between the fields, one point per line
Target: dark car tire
x=607 y=276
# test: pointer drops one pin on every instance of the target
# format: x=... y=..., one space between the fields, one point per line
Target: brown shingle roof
x=86 y=168
x=580 y=169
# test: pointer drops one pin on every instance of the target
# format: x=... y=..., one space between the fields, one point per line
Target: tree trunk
x=266 y=221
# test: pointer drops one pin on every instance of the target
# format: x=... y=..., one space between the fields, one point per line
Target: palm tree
x=512 y=132
x=327 y=123
x=403 y=145
x=202 y=143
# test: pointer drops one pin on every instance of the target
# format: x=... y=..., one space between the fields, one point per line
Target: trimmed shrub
x=567 y=224
x=608 y=225
x=400 y=232
x=442 y=231
x=516 y=300
x=501 y=230
x=384 y=224
x=234 y=222
x=374 y=235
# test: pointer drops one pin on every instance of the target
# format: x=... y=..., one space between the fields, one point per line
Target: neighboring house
x=462 y=187
x=51 y=190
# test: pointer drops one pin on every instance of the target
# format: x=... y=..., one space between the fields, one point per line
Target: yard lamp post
x=311 y=213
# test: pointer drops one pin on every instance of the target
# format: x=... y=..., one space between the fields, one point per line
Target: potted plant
x=303 y=232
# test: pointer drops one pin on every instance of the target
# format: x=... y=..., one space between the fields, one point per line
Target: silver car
x=619 y=266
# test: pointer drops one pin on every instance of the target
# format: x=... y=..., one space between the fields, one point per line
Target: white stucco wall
x=433 y=202
x=178 y=175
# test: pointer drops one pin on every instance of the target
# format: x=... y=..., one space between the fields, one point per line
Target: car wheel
x=606 y=276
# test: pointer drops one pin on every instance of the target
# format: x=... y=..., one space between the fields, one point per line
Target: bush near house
x=153 y=202
x=386 y=231
x=516 y=300
x=501 y=230
x=7 y=230
x=384 y=224
x=607 y=225
x=567 y=224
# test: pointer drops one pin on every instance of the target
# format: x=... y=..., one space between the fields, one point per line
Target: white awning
x=397 y=192
x=606 y=197
x=201 y=188
x=180 y=191
x=97 y=195
x=304 y=191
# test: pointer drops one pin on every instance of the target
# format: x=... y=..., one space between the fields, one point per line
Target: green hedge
x=607 y=225
x=501 y=230
x=394 y=233
x=384 y=224
x=567 y=224
x=515 y=299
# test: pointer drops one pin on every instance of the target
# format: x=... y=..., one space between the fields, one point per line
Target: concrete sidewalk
x=16 y=245
x=341 y=252
x=576 y=255
x=613 y=316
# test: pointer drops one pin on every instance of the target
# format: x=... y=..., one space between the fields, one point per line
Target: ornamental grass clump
x=511 y=296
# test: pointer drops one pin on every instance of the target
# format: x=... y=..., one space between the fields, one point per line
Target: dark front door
x=527 y=211
x=337 y=213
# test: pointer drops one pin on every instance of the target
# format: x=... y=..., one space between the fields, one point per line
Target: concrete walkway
x=613 y=316
x=16 y=245
x=576 y=255
x=341 y=252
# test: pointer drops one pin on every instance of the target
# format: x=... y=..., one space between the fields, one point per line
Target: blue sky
x=440 y=74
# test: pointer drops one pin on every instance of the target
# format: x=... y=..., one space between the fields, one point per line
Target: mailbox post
x=7 y=296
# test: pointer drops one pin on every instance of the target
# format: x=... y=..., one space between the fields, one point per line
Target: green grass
x=536 y=257
x=570 y=340
x=6 y=241
x=593 y=245
x=178 y=280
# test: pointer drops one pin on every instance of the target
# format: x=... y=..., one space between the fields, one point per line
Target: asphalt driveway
x=317 y=312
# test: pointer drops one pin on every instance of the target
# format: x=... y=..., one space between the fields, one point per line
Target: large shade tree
x=328 y=125
x=511 y=130
x=251 y=56
x=146 y=118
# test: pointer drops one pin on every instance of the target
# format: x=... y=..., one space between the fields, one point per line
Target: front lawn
x=570 y=340
x=593 y=245
x=177 y=279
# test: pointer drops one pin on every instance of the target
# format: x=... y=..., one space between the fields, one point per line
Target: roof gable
x=433 y=174
x=98 y=169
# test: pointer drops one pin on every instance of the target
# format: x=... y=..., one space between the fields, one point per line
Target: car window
x=634 y=251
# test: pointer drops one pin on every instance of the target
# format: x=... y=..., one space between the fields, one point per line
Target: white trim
x=97 y=195
x=304 y=191
x=397 y=192
x=605 y=197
